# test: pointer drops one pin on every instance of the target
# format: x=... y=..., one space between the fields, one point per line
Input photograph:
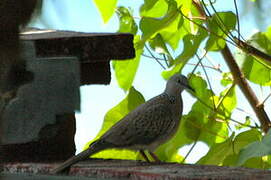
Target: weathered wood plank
x=124 y=169
x=89 y=47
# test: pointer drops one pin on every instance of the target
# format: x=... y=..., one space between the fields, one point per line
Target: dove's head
x=177 y=83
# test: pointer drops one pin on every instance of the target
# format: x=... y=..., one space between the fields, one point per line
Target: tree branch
x=240 y=80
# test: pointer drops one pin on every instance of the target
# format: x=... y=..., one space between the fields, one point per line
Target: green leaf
x=200 y=86
x=173 y=70
x=240 y=141
x=226 y=79
x=256 y=149
x=185 y=5
x=245 y=124
x=220 y=29
x=227 y=101
x=151 y=26
x=132 y=100
x=158 y=45
x=106 y=8
x=257 y=162
x=200 y=124
x=172 y=34
x=125 y=70
x=218 y=152
x=127 y=23
x=256 y=70
x=246 y=137
x=153 y=8
x=191 y=45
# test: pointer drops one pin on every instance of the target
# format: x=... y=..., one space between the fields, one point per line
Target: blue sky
x=96 y=100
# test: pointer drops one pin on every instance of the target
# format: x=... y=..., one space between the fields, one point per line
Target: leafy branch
x=240 y=79
x=178 y=29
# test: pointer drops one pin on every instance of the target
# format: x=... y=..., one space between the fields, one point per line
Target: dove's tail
x=94 y=147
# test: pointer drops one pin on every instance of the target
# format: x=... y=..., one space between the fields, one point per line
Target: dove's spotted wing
x=142 y=127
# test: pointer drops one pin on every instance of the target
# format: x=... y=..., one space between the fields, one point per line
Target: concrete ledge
x=124 y=169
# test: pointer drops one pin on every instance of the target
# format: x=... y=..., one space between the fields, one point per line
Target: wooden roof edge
x=87 y=46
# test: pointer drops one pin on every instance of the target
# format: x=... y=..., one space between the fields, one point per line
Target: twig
x=246 y=89
x=196 y=66
x=237 y=15
x=209 y=83
x=190 y=150
x=242 y=110
x=165 y=59
x=208 y=30
x=221 y=22
x=237 y=122
x=151 y=57
x=222 y=99
x=266 y=98
x=216 y=111
x=209 y=67
x=191 y=64
x=217 y=67
x=154 y=57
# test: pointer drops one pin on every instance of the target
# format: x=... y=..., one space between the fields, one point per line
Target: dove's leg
x=156 y=159
x=144 y=155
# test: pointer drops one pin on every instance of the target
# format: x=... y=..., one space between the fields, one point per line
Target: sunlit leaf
x=240 y=141
x=246 y=137
x=200 y=123
x=125 y=70
x=106 y=8
x=185 y=5
x=226 y=79
x=191 y=45
x=153 y=8
x=171 y=71
x=227 y=101
x=256 y=70
x=127 y=23
x=245 y=124
x=172 y=33
x=151 y=26
x=158 y=45
x=256 y=149
x=218 y=152
x=220 y=24
x=132 y=100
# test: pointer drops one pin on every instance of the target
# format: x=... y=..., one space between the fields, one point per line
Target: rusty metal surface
x=141 y=170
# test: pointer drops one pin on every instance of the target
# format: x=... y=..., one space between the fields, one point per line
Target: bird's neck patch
x=172 y=99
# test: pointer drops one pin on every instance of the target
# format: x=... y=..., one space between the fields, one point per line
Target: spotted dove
x=145 y=128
